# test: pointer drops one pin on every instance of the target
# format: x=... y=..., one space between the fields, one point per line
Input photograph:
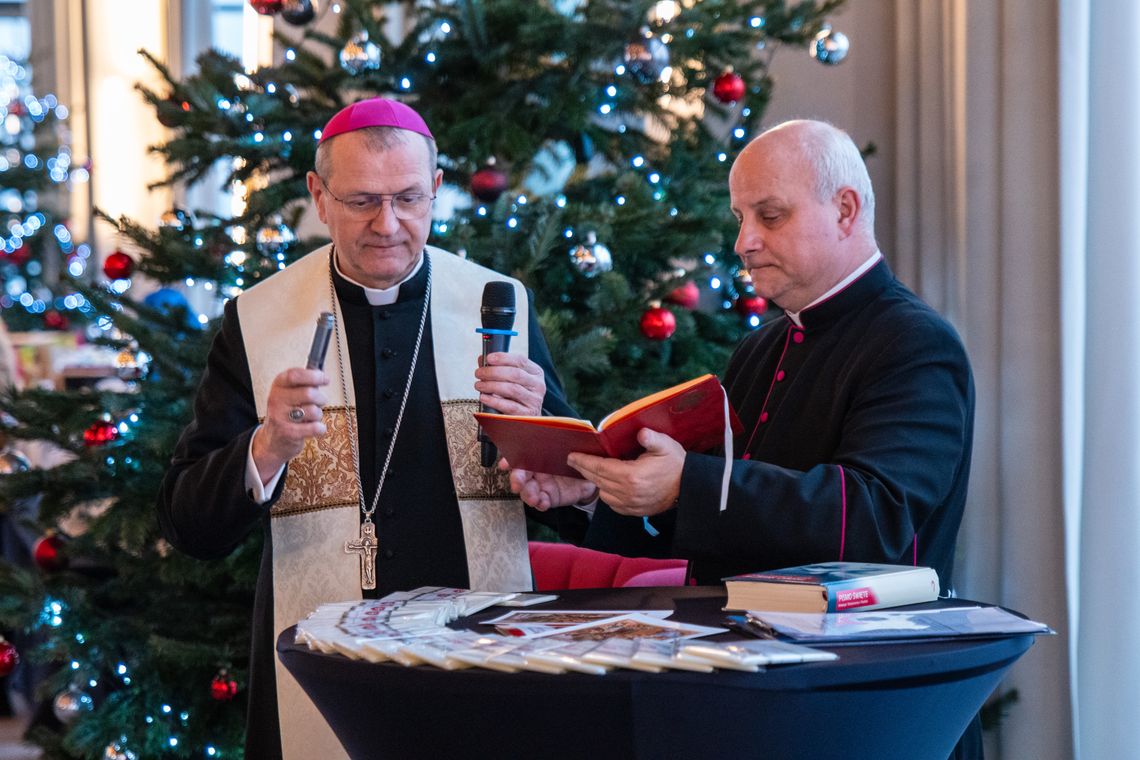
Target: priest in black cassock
x=364 y=476
x=857 y=402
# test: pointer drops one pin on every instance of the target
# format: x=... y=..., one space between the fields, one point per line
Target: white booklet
x=542 y=622
x=751 y=655
x=894 y=625
x=632 y=626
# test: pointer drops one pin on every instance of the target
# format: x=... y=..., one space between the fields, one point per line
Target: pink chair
x=565 y=566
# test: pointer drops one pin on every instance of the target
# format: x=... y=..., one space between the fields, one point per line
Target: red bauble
x=101 y=432
x=20 y=255
x=685 y=296
x=118 y=266
x=488 y=184
x=9 y=657
x=54 y=320
x=47 y=552
x=266 y=7
x=751 y=305
x=658 y=323
x=223 y=688
x=728 y=87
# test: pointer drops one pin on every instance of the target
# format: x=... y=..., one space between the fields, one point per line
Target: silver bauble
x=132 y=364
x=829 y=47
x=275 y=237
x=115 y=751
x=359 y=54
x=12 y=461
x=645 y=57
x=175 y=219
x=69 y=705
x=591 y=258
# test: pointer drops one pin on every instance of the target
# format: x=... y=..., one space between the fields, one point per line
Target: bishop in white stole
x=319 y=508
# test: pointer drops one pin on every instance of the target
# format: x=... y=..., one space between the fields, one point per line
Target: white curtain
x=1100 y=194
x=978 y=237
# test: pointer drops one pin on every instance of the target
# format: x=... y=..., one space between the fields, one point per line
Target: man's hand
x=644 y=486
x=510 y=384
x=543 y=491
x=283 y=433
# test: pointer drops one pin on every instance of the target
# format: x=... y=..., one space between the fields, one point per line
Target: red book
x=692 y=413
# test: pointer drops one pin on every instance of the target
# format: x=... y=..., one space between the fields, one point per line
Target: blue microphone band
x=493 y=331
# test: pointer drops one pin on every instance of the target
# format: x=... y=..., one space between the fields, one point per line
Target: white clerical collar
x=377 y=296
x=870 y=262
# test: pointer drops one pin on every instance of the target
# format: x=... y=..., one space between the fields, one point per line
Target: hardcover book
x=692 y=413
x=832 y=587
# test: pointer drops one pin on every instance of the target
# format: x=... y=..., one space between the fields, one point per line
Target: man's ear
x=316 y=192
x=848 y=206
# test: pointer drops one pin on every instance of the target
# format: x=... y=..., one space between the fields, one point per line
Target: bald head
x=806 y=210
x=826 y=154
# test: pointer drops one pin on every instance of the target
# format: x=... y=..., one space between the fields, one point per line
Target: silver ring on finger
x=296 y=414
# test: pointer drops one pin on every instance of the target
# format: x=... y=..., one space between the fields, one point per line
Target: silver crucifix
x=366 y=547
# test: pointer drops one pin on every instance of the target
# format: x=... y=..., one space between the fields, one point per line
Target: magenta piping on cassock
x=843 y=504
x=771 y=387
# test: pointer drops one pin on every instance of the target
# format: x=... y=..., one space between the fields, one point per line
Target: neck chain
x=367 y=544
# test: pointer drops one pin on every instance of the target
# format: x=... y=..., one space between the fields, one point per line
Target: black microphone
x=498 y=317
x=320 y=344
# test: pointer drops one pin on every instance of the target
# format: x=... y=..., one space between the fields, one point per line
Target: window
x=15 y=33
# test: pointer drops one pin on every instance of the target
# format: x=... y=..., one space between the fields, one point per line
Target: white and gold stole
x=319 y=507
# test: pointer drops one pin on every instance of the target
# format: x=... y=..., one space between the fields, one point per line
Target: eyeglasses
x=366 y=206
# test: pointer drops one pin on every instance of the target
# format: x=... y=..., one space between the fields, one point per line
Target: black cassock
x=204 y=509
x=857 y=437
x=856 y=445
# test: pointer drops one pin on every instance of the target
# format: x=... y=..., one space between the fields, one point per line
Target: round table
x=901 y=700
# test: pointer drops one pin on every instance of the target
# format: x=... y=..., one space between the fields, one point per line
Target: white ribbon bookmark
x=729 y=454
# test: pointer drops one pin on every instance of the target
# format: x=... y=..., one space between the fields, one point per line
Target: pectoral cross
x=366 y=547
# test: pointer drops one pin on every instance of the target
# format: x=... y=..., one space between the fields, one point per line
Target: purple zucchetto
x=375 y=112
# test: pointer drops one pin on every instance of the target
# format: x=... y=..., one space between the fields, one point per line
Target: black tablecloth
x=908 y=701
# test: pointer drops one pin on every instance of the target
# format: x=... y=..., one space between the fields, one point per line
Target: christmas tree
x=36 y=170
x=585 y=148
